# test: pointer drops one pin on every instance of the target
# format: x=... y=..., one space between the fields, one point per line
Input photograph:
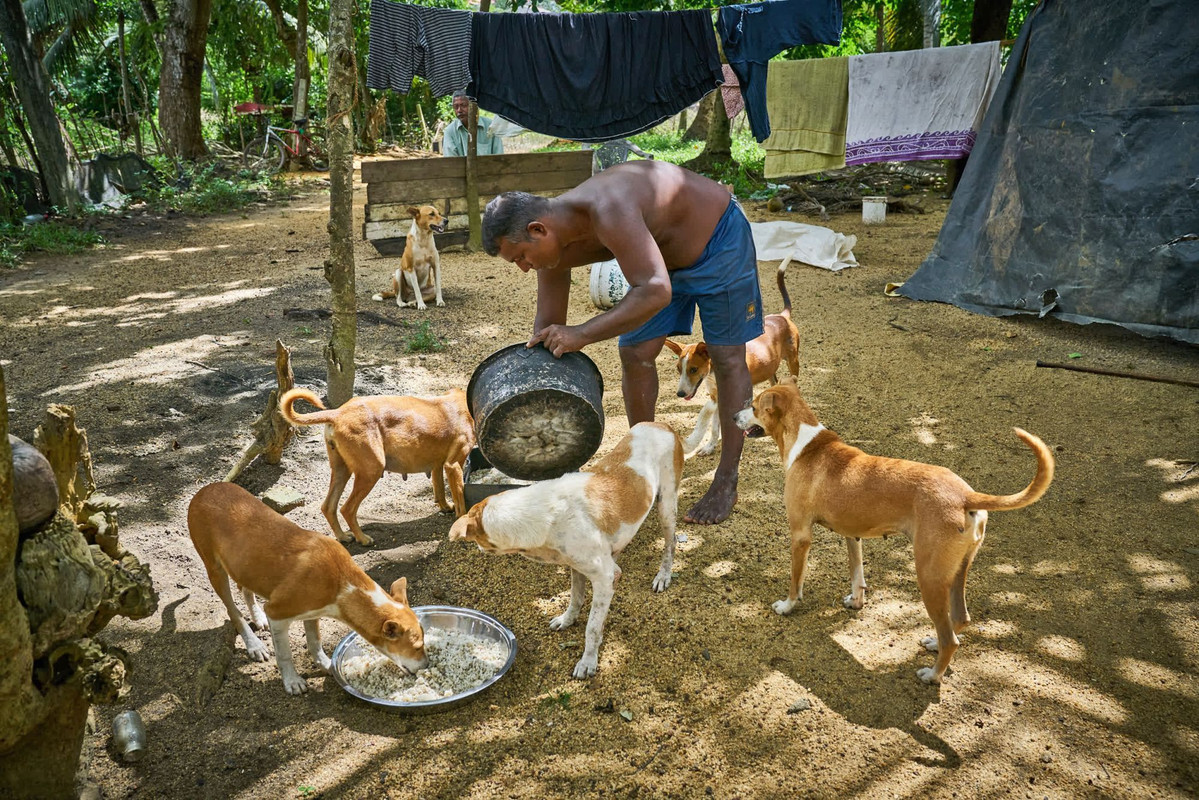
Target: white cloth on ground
x=807 y=244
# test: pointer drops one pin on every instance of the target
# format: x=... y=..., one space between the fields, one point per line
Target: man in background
x=454 y=141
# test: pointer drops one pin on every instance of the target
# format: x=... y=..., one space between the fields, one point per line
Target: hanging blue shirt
x=754 y=33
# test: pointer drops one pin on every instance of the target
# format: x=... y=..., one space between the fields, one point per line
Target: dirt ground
x=1077 y=678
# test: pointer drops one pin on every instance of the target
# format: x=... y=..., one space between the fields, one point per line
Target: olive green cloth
x=808 y=102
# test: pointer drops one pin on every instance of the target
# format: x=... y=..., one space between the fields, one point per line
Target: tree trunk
x=989 y=22
x=930 y=10
x=698 y=129
x=33 y=88
x=718 y=142
x=339 y=269
x=185 y=36
x=296 y=42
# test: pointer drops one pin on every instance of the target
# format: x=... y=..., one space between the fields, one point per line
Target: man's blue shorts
x=723 y=283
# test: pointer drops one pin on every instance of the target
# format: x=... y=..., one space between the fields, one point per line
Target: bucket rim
x=498 y=354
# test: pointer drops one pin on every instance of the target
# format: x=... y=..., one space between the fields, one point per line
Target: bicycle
x=270 y=152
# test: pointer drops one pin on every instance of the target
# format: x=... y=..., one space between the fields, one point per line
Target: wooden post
x=272 y=431
x=339 y=268
x=474 y=215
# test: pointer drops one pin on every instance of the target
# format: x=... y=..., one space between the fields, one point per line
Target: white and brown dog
x=584 y=519
x=863 y=496
x=368 y=436
x=302 y=576
x=763 y=356
x=418 y=279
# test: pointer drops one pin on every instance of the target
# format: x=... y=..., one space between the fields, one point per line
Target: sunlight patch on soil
x=1159 y=678
x=1062 y=647
x=131 y=313
x=1049 y=684
x=159 y=365
x=923 y=428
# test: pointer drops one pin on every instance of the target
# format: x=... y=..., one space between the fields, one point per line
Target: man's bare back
x=679 y=208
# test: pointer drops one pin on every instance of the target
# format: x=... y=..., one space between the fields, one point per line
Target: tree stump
x=271 y=431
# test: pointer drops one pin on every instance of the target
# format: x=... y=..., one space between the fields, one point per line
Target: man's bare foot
x=715 y=506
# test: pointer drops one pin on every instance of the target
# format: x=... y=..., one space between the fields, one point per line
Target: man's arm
x=625 y=234
x=553 y=294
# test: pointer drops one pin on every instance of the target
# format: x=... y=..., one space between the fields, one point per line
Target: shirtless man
x=681 y=242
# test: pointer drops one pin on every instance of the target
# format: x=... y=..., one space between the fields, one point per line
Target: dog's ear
x=392 y=629
x=674 y=347
x=701 y=349
x=789 y=381
x=460 y=528
x=767 y=399
x=399 y=591
x=413 y=211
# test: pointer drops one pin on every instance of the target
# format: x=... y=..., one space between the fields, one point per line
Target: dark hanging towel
x=417 y=40
x=754 y=33
x=592 y=77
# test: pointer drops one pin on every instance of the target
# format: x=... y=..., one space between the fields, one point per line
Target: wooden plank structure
x=394 y=185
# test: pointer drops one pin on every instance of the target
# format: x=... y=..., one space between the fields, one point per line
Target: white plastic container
x=874 y=210
x=608 y=285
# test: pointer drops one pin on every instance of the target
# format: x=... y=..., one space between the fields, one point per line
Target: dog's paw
x=931 y=644
x=256 y=650
x=585 y=668
x=927 y=675
x=707 y=450
x=258 y=620
x=376 y=297
x=563 y=621
x=441 y=304
x=662 y=580
x=784 y=606
x=294 y=684
x=854 y=601
x=364 y=540
x=421 y=307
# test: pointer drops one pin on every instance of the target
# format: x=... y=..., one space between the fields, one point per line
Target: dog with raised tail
x=583 y=520
x=863 y=496
x=303 y=576
x=763 y=355
x=418 y=280
x=370 y=435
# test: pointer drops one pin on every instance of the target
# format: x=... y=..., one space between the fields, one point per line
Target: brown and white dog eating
x=418 y=279
x=302 y=576
x=863 y=496
x=584 y=519
x=368 y=436
x=763 y=356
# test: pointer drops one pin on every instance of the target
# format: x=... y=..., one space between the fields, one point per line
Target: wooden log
x=1116 y=374
x=271 y=431
x=65 y=446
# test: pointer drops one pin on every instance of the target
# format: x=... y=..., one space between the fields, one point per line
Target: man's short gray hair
x=508 y=216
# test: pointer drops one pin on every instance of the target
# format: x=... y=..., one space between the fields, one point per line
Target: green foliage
x=204 y=190
x=668 y=145
x=423 y=340
x=560 y=700
x=62 y=238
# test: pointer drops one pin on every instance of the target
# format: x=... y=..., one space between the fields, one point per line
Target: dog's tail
x=977 y=501
x=783 y=286
x=321 y=417
x=384 y=295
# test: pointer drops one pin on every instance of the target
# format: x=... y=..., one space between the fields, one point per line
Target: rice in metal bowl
x=458 y=662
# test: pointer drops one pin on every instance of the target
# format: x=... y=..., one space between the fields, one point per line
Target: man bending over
x=682 y=242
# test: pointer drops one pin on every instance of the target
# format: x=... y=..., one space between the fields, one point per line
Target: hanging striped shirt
x=407 y=40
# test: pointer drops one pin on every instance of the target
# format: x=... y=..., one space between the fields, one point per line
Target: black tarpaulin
x=1081 y=196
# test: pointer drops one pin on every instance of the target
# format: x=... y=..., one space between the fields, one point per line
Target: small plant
x=561 y=700
x=423 y=340
x=304 y=330
x=50 y=237
x=203 y=191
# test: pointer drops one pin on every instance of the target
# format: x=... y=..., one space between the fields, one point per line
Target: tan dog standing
x=302 y=575
x=863 y=496
x=368 y=436
x=418 y=279
x=584 y=519
x=763 y=355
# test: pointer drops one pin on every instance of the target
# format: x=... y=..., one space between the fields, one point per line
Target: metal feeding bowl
x=466 y=620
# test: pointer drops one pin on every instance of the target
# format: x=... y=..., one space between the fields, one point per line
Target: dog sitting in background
x=584 y=519
x=863 y=496
x=302 y=576
x=368 y=436
x=418 y=279
x=763 y=355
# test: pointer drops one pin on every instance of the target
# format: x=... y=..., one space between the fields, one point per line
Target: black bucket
x=536 y=416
